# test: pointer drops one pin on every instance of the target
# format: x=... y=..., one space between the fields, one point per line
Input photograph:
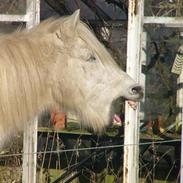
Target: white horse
x=59 y=63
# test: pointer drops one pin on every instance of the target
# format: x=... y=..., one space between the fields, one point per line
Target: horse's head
x=86 y=78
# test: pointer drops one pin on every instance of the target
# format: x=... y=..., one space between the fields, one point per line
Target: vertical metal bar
x=30 y=132
x=179 y=99
x=143 y=60
x=180 y=120
x=131 y=148
x=181 y=164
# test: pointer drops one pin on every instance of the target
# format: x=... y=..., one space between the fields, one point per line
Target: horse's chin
x=98 y=117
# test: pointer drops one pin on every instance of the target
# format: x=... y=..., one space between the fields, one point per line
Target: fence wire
x=91 y=148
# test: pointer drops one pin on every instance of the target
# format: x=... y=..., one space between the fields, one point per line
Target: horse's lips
x=116 y=120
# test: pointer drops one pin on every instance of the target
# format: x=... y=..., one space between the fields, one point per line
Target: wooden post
x=30 y=150
x=131 y=141
x=30 y=132
x=33 y=12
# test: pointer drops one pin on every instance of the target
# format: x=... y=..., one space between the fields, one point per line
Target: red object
x=58 y=119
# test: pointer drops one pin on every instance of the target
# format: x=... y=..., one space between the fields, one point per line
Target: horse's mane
x=22 y=69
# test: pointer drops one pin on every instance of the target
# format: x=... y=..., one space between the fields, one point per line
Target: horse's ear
x=74 y=19
x=68 y=28
x=70 y=25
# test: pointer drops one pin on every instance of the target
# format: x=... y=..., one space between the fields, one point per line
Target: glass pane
x=8 y=27
x=161 y=109
x=165 y=8
x=12 y=6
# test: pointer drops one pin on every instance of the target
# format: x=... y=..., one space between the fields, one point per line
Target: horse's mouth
x=118 y=110
x=117 y=120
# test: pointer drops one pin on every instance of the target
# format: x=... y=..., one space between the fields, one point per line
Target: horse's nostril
x=136 y=90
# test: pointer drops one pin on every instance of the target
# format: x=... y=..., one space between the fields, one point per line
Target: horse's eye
x=91 y=59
